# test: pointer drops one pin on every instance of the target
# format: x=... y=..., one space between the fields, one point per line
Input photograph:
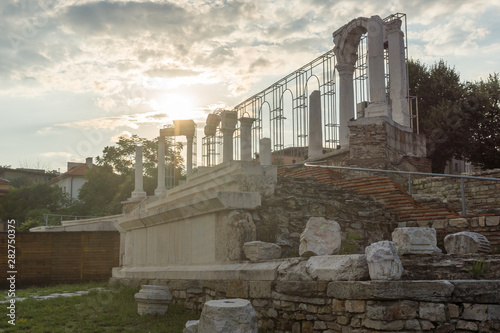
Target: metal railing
x=72 y=217
x=410 y=173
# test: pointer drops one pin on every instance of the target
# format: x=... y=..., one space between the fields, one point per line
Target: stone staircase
x=396 y=199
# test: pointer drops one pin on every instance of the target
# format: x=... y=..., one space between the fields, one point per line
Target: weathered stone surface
x=466 y=325
x=414 y=240
x=293 y=269
x=453 y=310
x=355 y=306
x=234 y=230
x=383 y=261
x=394 y=325
x=475 y=312
x=338 y=267
x=191 y=326
x=432 y=311
x=466 y=242
x=412 y=325
x=152 y=300
x=228 y=315
x=476 y=291
x=320 y=237
x=260 y=289
x=426 y=291
x=257 y=251
x=492 y=221
x=392 y=310
x=494 y=312
x=459 y=222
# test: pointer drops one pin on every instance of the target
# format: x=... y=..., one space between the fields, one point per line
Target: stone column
x=397 y=73
x=346 y=103
x=189 y=155
x=376 y=69
x=265 y=151
x=228 y=126
x=138 y=191
x=246 y=138
x=315 y=148
x=161 y=189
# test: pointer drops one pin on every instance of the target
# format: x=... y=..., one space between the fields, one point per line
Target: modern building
x=72 y=181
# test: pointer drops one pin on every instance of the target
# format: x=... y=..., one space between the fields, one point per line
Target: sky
x=77 y=74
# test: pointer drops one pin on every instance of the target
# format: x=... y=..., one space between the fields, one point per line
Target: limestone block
x=475 y=312
x=459 y=223
x=191 y=326
x=152 y=300
x=293 y=269
x=228 y=315
x=413 y=240
x=338 y=267
x=383 y=261
x=432 y=311
x=466 y=325
x=466 y=242
x=257 y=250
x=492 y=221
x=320 y=237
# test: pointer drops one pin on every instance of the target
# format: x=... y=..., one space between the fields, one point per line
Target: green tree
x=481 y=108
x=112 y=180
x=440 y=95
x=27 y=204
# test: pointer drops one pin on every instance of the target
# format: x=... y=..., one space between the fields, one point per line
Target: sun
x=176 y=106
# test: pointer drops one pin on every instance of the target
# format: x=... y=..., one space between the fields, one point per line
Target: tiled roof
x=79 y=170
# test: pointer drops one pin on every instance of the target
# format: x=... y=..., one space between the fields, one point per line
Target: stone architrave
x=258 y=251
x=412 y=240
x=320 y=237
x=466 y=242
x=228 y=315
x=153 y=300
x=351 y=267
x=383 y=261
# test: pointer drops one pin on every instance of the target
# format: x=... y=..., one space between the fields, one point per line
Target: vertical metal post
x=409 y=185
x=463 y=195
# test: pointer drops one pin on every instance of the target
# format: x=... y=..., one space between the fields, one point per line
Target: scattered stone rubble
x=383 y=261
x=412 y=240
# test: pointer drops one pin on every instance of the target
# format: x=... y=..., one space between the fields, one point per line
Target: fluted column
x=138 y=191
x=161 y=189
x=246 y=138
x=376 y=69
x=346 y=101
x=397 y=72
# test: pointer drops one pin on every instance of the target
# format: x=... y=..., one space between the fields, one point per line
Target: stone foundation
x=289 y=300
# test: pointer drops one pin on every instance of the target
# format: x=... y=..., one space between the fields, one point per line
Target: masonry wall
x=283 y=215
x=294 y=302
x=482 y=196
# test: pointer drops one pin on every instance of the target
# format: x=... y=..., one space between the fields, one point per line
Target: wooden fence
x=44 y=258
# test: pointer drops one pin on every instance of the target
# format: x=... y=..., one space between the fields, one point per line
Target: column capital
x=344 y=68
x=246 y=121
x=393 y=26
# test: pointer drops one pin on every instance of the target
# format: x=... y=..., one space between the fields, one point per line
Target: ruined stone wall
x=283 y=215
x=482 y=196
x=378 y=144
x=293 y=302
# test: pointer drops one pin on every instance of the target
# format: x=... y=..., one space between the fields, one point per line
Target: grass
x=61 y=288
x=98 y=311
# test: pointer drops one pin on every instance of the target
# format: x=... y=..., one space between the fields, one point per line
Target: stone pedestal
x=228 y=315
x=153 y=300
